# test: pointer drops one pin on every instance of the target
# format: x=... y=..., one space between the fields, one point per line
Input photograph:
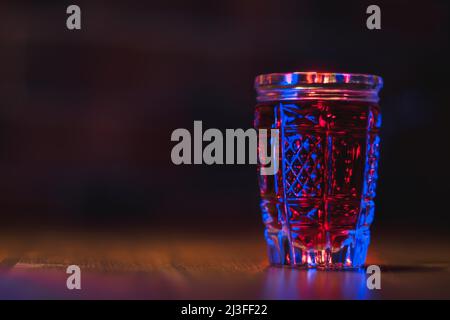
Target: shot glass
x=318 y=206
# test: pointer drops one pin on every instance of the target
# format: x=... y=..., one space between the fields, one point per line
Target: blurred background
x=86 y=116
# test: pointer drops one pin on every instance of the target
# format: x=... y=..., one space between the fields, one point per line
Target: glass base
x=350 y=255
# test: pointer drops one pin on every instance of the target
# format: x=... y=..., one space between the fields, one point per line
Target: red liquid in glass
x=318 y=207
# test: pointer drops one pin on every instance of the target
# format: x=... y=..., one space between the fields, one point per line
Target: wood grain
x=183 y=266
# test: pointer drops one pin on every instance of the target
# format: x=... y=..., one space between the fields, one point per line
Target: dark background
x=86 y=116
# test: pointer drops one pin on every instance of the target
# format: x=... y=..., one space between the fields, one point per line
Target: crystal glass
x=318 y=207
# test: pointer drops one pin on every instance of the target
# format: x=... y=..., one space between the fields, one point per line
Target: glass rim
x=318 y=85
x=313 y=78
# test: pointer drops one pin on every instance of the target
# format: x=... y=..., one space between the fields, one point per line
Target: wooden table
x=186 y=266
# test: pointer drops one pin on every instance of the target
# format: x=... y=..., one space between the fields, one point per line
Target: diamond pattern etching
x=296 y=117
x=303 y=165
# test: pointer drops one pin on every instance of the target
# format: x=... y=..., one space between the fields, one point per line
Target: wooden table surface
x=187 y=266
